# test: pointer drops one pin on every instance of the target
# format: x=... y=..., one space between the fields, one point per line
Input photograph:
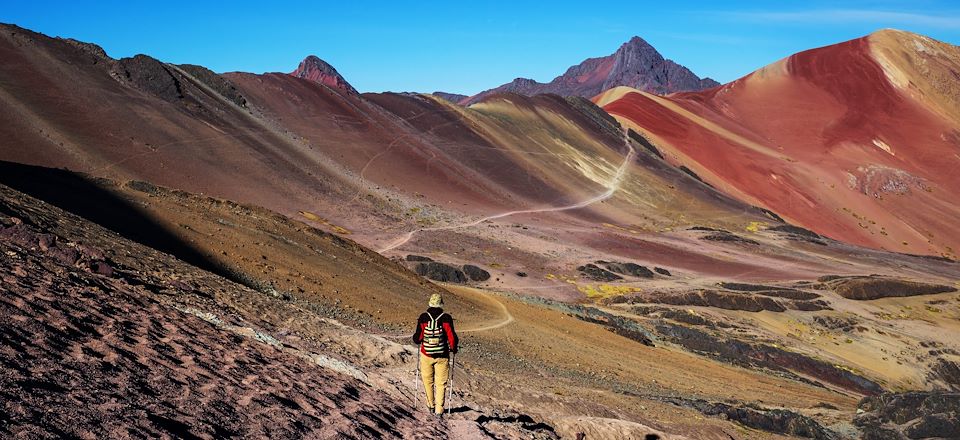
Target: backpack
x=434 y=338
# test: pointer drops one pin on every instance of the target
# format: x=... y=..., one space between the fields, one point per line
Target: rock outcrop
x=475 y=273
x=910 y=415
x=149 y=75
x=215 y=82
x=596 y=273
x=631 y=269
x=413 y=257
x=444 y=273
x=875 y=287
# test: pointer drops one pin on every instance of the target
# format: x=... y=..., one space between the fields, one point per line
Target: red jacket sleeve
x=418 y=333
x=452 y=340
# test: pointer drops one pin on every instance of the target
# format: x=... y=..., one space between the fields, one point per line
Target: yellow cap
x=435 y=300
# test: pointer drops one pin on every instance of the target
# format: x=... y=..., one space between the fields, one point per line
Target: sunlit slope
x=67 y=104
x=840 y=139
x=576 y=150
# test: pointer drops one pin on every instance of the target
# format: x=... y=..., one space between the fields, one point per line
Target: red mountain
x=635 y=64
x=859 y=141
x=319 y=71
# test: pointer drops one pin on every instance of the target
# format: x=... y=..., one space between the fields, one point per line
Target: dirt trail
x=505 y=318
x=612 y=187
x=486 y=296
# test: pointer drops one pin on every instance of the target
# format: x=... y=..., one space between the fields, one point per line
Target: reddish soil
x=96 y=344
x=689 y=260
x=837 y=113
x=561 y=184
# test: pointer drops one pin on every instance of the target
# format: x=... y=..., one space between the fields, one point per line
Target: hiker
x=437 y=340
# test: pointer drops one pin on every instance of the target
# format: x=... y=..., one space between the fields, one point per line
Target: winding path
x=507 y=316
x=612 y=187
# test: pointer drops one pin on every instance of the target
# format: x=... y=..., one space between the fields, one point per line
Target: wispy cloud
x=945 y=20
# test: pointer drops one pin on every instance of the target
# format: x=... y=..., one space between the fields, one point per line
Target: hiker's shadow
x=461 y=409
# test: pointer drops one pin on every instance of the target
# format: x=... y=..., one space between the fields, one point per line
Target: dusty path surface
x=612 y=186
x=506 y=316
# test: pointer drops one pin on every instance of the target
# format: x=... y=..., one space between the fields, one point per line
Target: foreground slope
x=858 y=141
x=298 y=285
x=104 y=337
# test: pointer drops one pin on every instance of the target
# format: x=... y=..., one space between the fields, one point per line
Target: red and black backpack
x=434 y=338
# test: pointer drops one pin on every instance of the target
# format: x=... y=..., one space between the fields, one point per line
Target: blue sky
x=466 y=48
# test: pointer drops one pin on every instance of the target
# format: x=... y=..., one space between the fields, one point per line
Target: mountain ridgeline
x=635 y=64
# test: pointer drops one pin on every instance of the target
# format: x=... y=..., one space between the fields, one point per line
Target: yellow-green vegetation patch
x=316 y=218
x=603 y=291
x=561 y=277
x=311 y=216
x=756 y=226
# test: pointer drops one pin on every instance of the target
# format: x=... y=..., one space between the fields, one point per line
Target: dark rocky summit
x=151 y=76
x=635 y=64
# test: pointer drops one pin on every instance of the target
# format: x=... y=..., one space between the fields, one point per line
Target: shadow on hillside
x=82 y=196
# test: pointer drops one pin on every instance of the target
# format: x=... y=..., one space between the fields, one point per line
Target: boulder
x=915 y=414
x=440 y=272
x=596 y=273
x=412 y=257
x=475 y=273
x=632 y=269
x=875 y=287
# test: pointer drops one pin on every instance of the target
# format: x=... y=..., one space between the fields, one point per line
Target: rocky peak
x=636 y=53
x=637 y=44
x=312 y=68
x=635 y=64
x=639 y=65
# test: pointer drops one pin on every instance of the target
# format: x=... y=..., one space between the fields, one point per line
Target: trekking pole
x=453 y=365
x=419 y=380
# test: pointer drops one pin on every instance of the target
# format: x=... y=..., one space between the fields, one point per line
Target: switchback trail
x=507 y=316
x=612 y=187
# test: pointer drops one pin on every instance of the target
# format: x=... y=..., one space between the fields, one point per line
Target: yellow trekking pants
x=435 y=372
